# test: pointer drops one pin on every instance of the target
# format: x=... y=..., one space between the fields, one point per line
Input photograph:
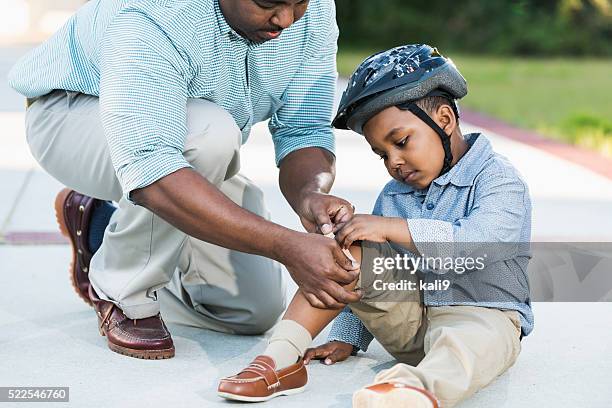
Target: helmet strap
x=421 y=114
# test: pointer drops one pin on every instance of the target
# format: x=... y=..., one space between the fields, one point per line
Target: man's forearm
x=311 y=169
x=191 y=203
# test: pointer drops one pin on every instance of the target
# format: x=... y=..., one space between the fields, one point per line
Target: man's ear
x=445 y=116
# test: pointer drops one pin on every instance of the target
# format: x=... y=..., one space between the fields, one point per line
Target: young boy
x=454 y=325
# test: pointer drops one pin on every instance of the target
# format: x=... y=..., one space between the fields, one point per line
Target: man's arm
x=195 y=206
x=304 y=171
x=192 y=204
x=303 y=137
x=143 y=110
x=305 y=178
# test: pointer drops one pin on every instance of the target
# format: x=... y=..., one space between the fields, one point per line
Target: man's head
x=411 y=149
x=262 y=20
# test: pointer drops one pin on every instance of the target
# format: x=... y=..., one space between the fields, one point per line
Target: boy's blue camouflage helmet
x=397 y=76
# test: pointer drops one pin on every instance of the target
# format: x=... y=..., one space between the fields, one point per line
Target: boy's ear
x=446 y=118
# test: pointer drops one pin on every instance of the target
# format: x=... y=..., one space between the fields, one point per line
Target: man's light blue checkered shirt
x=145 y=58
x=481 y=200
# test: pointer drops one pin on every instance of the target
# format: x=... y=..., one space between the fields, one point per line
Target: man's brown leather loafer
x=141 y=338
x=73 y=212
x=260 y=381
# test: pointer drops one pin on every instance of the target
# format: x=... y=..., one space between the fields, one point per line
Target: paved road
x=48 y=337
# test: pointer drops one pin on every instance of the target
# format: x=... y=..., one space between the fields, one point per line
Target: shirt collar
x=462 y=174
x=224 y=27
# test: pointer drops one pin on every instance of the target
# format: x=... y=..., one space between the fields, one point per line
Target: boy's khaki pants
x=143 y=260
x=452 y=351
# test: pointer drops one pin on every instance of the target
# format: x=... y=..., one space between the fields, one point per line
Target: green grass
x=565 y=98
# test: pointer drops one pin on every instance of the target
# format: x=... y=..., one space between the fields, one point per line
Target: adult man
x=147 y=103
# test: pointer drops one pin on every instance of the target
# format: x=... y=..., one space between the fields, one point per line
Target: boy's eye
x=382 y=156
x=402 y=142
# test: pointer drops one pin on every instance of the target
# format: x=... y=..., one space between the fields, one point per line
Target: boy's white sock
x=288 y=343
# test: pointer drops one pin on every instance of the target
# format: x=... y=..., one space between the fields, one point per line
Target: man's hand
x=329 y=353
x=305 y=177
x=323 y=213
x=320 y=268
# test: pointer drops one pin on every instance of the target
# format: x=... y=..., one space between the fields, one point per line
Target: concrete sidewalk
x=48 y=337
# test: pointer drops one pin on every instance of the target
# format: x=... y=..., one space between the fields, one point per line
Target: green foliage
x=590 y=131
x=520 y=27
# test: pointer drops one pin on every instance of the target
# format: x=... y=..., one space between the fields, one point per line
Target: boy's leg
x=466 y=348
x=280 y=369
x=394 y=317
x=300 y=324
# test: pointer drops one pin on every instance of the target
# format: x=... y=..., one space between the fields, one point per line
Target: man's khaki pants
x=144 y=261
x=452 y=351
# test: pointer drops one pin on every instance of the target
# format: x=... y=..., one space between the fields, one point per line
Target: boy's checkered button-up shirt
x=145 y=58
x=482 y=201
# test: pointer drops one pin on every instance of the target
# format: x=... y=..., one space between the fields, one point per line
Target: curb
x=589 y=159
x=13 y=238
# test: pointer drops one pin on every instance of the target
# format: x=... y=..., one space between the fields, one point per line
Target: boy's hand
x=329 y=353
x=365 y=227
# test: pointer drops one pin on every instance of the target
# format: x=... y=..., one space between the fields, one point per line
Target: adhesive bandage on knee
x=346 y=251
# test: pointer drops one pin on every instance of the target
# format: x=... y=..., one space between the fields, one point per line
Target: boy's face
x=411 y=150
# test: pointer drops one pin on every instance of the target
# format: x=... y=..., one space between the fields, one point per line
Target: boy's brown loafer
x=73 y=213
x=141 y=338
x=392 y=395
x=260 y=381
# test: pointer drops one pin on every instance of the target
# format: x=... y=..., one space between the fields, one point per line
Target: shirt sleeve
x=304 y=120
x=347 y=328
x=143 y=100
x=492 y=227
x=377 y=209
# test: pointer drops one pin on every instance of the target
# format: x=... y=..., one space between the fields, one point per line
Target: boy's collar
x=462 y=174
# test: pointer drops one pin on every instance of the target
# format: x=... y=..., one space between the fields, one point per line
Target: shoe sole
x=142 y=354
x=244 y=398
x=365 y=398
x=60 y=200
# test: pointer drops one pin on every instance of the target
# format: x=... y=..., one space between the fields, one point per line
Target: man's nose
x=283 y=17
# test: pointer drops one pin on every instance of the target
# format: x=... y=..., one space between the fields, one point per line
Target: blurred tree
x=523 y=27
